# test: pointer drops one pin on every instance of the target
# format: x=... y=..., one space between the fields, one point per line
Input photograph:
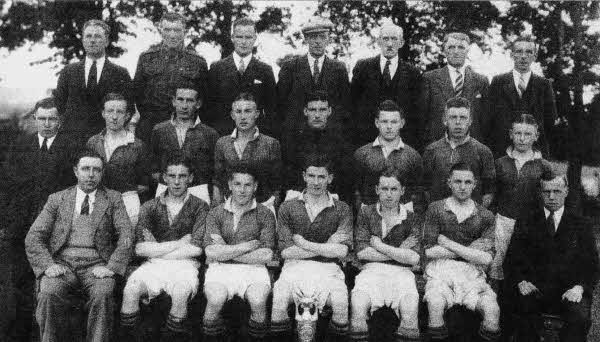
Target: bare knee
x=133 y=291
x=409 y=302
x=216 y=294
x=257 y=294
x=436 y=304
x=490 y=309
x=282 y=297
x=339 y=304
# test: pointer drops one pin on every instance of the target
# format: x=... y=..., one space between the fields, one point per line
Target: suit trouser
x=53 y=301
x=17 y=282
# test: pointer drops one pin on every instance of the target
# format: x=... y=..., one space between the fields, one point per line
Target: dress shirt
x=385 y=150
x=393 y=64
x=48 y=142
x=237 y=59
x=557 y=216
x=517 y=77
x=80 y=196
x=454 y=74
x=99 y=65
x=311 y=64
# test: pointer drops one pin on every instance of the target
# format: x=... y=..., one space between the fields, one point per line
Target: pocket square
x=257 y=82
x=478 y=96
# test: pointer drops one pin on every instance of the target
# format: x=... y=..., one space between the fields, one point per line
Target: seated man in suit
x=552 y=265
x=169 y=233
x=81 y=240
x=249 y=147
x=239 y=241
x=315 y=232
x=387 y=238
x=388 y=151
x=185 y=136
x=82 y=86
x=458 y=146
x=237 y=73
x=37 y=166
x=458 y=238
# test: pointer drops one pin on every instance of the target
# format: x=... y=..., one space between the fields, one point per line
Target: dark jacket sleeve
x=284 y=87
x=517 y=263
x=270 y=103
x=588 y=264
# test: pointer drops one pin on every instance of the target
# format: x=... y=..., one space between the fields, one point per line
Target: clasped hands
x=573 y=294
x=56 y=270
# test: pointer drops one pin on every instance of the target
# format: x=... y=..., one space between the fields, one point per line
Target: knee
x=409 y=302
x=50 y=287
x=103 y=288
x=132 y=292
x=216 y=294
x=490 y=310
x=436 y=304
x=281 y=296
x=360 y=303
x=180 y=294
x=256 y=295
x=339 y=302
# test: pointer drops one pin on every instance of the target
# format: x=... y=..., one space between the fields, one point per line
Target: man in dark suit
x=82 y=85
x=552 y=265
x=455 y=79
x=385 y=77
x=302 y=75
x=516 y=92
x=82 y=239
x=37 y=165
x=240 y=72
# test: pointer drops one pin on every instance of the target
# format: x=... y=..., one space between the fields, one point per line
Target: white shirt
x=237 y=214
x=99 y=66
x=313 y=210
x=237 y=59
x=111 y=145
x=80 y=196
x=557 y=216
x=48 y=142
x=398 y=219
x=454 y=73
x=393 y=65
x=311 y=64
x=517 y=77
x=462 y=212
x=386 y=151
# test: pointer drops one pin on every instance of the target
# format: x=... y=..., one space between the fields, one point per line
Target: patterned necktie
x=387 y=77
x=242 y=67
x=459 y=83
x=317 y=72
x=550 y=225
x=85 y=206
x=44 y=147
x=522 y=85
x=92 y=80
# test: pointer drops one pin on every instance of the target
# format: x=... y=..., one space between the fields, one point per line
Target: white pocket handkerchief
x=478 y=96
x=257 y=82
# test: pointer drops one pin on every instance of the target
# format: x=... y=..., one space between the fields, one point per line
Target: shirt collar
x=402 y=211
x=129 y=136
x=162 y=198
x=383 y=59
x=227 y=205
x=536 y=154
x=48 y=142
x=453 y=145
x=330 y=203
x=237 y=58
x=455 y=71
x=450 y=203
x=311 y=62
x=557 y=214
x=81 y=194
x=517 y=76
x=196 y=123
x=254 y=136
x=400 y=145
x=99 y=63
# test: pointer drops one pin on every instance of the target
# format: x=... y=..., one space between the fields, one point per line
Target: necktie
x=242 y=67
x=522 y=85
x=92 y=77
x=550 y=224
x=85 y=206
x=387 y=77
x=317 y=72
x=44 y=145
x=459 y=83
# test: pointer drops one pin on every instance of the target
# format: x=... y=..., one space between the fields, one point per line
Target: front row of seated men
x=83 y=239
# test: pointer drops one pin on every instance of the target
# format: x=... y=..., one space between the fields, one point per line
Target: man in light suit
x=455 y=79
x=516 y=92
x=237 y=73
x=82 y=239
x=385 y=77
x=302 y=75
x=82 y=85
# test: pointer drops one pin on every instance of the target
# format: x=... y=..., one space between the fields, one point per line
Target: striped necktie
x=522 y=85
x=387 y=77
x=459 y=83
x=242 y=68
x=317 y=72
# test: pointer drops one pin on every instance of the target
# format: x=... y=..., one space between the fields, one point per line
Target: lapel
x=100 y=206
x=305 y=73
x=67 y=210
x=80 y=74
x=446 y=83
x=509 y=88
x=172 y=136
x=325 y=70
x=399 y=71
x=469 y=83
x=231 y=71
x=563 y=225
x=105 y=74
x=250 y=70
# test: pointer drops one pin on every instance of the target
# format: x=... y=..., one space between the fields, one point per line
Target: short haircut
x=393 y=26
x=460 y=166
x=245 y=21
x=458 y=36
x=245 y=96
x=318 y=160
x=389 y=106
x=89 y=153
x=99 y=23
x=45 y=103
x=524 y=118
x=391 y=172
x=241 y=169
x=173 y=17
x=178 y=160
x=555 y=171
x=319 y=95
x=114 y=97
x=458 y=102
x=187 y=85
x=526 y=39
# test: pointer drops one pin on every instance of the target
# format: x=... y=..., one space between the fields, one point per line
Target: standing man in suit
x=302 y=75
x=552 y=265
x=455 y=79
x=37 y=165
x=240 y=72
x=385 y=77
x=516 y=92
x=81 y=240
x=160 y=69
x=82 y=85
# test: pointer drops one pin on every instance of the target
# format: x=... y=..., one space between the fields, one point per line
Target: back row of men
x=82 y=86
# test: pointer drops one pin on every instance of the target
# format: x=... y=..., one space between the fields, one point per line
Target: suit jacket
x=505 y=104
x=225 y=83
x=561 y=261
x=31 y=176
x=368 y=91
x=437 y=89
x=296 y=81
x=50 y=231
x=80 y=107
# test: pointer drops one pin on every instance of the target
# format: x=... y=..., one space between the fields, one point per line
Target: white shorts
x=312 y=278
x=458 y=282
x=158 y=275
x=132 y=205
x=200 y=191
x=503 y=232
x=237 y=277
x=385 y=283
